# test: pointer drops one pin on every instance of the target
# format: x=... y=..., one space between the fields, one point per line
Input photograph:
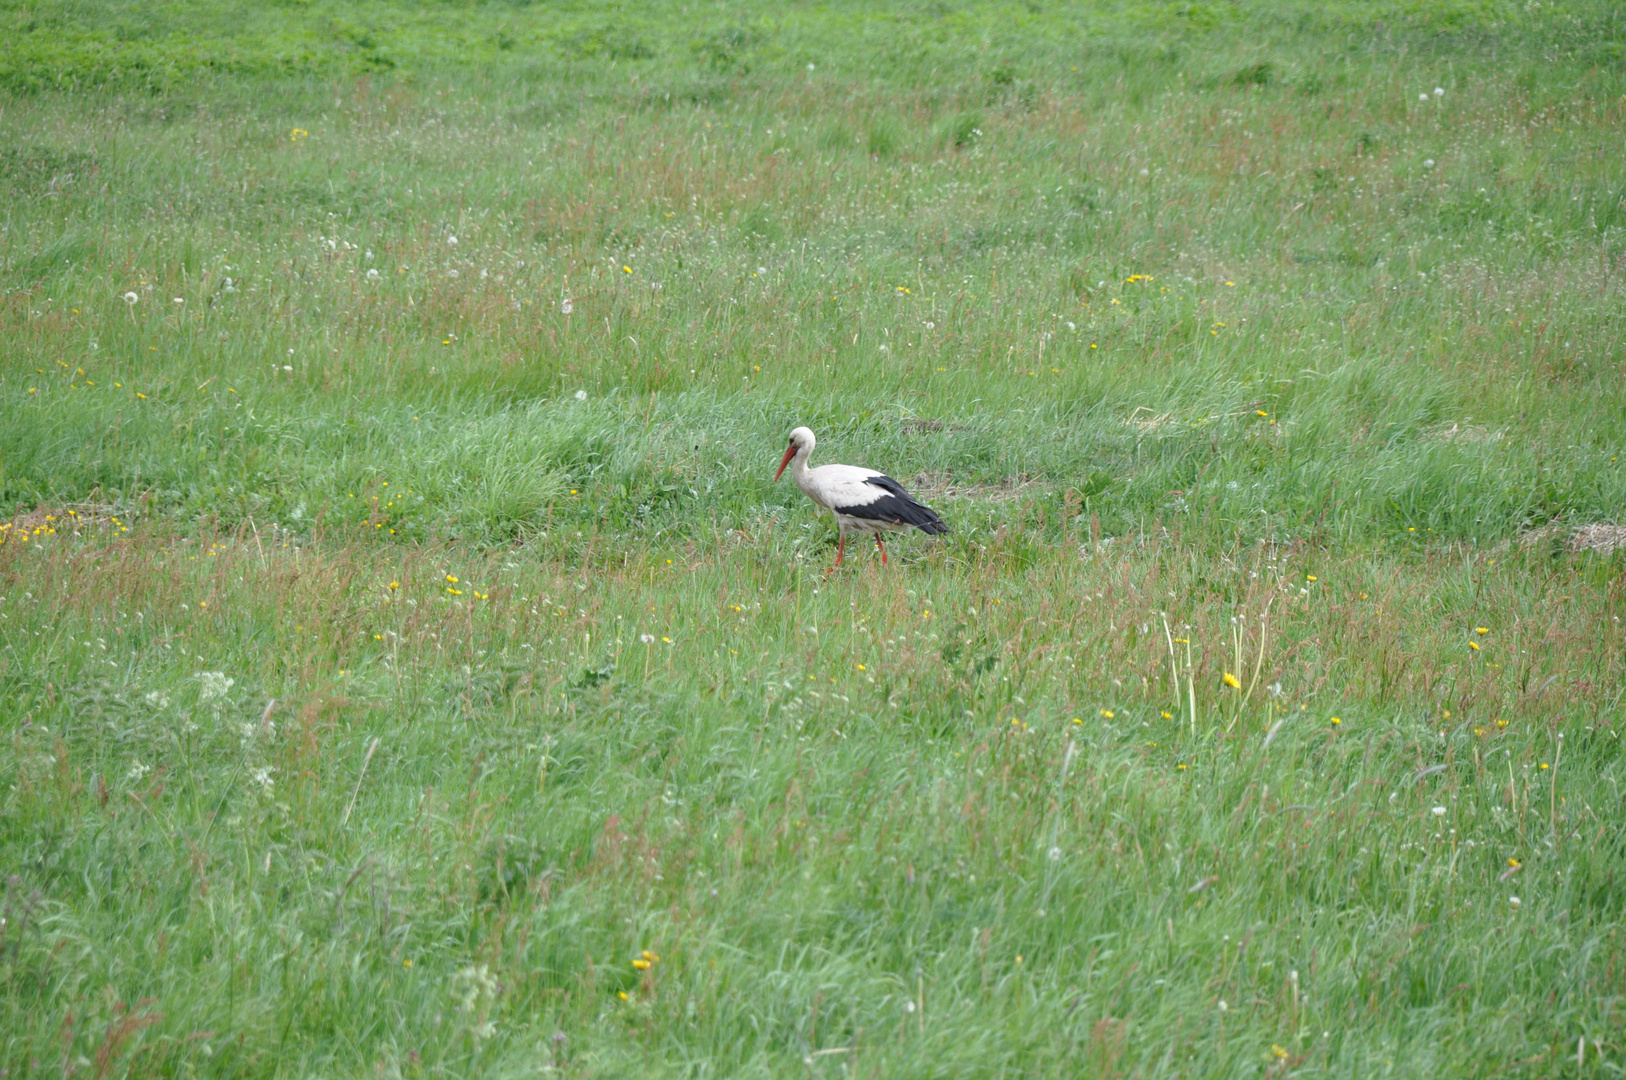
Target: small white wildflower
x=157 y=699
x=262 y=777
x=180 y=299
x=908 y=1006
x=1224 y=1007
x=1513 y=901
x=215 y=685
x=1054 y=854
x=581 y=395
x=452 y=273
x=369 y=256
x=137 y=771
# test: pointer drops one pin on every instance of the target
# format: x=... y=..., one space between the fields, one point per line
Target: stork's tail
x=926 y=520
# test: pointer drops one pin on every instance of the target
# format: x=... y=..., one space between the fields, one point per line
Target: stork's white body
x=844 y=487
x=862 y=500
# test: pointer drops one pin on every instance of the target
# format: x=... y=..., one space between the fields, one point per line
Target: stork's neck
x=799 y=472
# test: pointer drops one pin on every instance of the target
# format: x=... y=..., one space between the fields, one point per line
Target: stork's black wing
x=896 y=506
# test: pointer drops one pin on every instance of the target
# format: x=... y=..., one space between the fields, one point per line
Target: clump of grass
x=410 y=666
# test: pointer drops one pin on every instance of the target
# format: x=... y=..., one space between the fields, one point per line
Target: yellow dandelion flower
x=1481 y=629
x=1474 y=645
x=1168 y=715
x=1336 y=721
x=1108 y=713
x=1232 y=681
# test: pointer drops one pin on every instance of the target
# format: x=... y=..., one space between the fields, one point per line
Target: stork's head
x=801 y=442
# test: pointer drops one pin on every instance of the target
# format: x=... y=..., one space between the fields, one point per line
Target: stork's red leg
x=841 y=549
x=882 y=547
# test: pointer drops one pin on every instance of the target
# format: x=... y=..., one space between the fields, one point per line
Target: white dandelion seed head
x=372 y=275
x=1513 y=901
x=908 y=1006
x=180 y=299
x=369 y=256
x=566 y=306
x=451 y=241
x=647 y=639
x=581 y=395
x=1439 y=91
x=762 y=269
x=131 y=298
x=452 y=273
x=1438 y=811
x=287 y=367
x=1054 y=854
x=1428 y=163
x=1422 y=97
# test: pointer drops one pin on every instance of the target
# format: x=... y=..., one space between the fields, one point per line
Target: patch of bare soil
x=928 y=486
x=1604 y=539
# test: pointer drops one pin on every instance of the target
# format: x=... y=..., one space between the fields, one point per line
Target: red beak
x=790 y=452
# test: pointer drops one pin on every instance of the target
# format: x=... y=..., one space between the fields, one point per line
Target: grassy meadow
x=409 y=669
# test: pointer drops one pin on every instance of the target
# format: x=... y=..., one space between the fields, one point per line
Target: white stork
x=862 y=500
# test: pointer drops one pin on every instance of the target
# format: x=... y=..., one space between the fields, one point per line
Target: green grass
x=389 y=655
